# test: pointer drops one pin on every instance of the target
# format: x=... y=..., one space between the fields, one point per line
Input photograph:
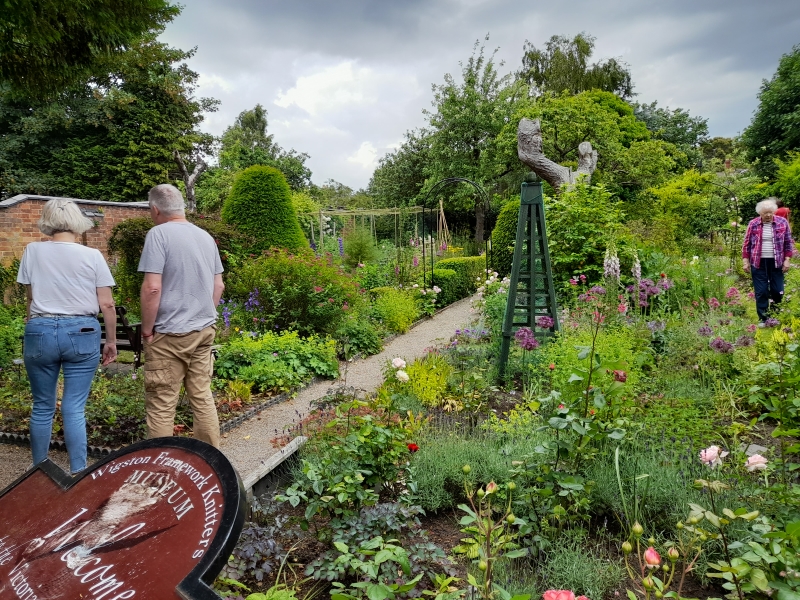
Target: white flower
x=402 y=376
x=416 y=285
x=398 y=363
x=436 y=289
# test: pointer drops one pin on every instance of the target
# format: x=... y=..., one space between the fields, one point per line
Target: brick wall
x=19 y=215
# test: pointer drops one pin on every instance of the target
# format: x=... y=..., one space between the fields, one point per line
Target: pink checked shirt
x=782 y=239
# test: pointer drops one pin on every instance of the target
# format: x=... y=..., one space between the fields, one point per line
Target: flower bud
x=651 y=558
x=673 y=554
x=511 y=486
x=694 y=520
x=480 y=493
x=652 y=541
x=647 y=582
x=627 y=548
x=466 y=469
x=658 y=594
x=637 y=530
x=703 y=538
x=491 y=487
x=665 y=568
x=482 y=565
x=679 y=525
x=511 y=518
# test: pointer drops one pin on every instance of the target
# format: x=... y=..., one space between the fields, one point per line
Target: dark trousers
x=768 y=285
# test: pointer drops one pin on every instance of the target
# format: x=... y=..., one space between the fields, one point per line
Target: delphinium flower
x=705 y=331
x=226 y=315
x=545 y=322
x=525 y=339
x=341 y=246
x=720 y=345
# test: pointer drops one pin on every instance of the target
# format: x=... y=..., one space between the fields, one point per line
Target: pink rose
x=398 y=363
x=651 y=558
x=756 y=463
x=712 y=456
x=558 y=595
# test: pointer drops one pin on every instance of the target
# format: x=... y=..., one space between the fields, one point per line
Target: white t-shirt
x=64 y=277
x=767 y=237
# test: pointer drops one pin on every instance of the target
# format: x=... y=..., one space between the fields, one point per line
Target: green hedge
x=260 y=204
x=471 y=272
x=450 y=283
x=504 y=236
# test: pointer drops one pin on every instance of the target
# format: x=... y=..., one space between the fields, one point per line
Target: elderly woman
x=65 y=283
x=765 y=253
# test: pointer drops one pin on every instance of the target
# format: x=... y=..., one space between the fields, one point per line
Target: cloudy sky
x=343 y=80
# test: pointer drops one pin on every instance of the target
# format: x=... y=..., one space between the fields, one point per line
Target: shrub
x=357 y=335
x=471 y=272
x=428 y=379
x=260 y=204
x=277 y=361
x=504 y=235
x=11 y=331
x=359 y=247
x=281 y=291
x=127 y=241
x=450 y=284
x=396 y=309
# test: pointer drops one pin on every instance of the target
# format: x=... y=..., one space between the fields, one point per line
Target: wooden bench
x=129 y=335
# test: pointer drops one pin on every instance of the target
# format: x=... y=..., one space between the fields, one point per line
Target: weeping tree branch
x=529 y=149
x=190 y=180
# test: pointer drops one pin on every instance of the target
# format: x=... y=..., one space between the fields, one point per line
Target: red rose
x=412 y=447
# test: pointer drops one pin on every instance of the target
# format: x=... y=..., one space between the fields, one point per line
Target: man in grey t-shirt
x=181 y=290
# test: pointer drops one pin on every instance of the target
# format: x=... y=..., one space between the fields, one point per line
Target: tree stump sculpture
x=529 y=148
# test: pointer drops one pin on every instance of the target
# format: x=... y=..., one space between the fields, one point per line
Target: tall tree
x=775 y=129
x=467 y=117
x=677 y=127
x=111 y=137
x=563 y=65
x=48 y=45
x=400 y=175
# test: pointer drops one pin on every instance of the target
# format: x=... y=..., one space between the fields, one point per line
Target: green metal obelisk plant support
x=531 y=294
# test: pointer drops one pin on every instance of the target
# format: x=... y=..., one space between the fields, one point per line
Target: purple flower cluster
x=341 y=246
x=771 y=322
x=252 y=301
x=598 y=289
x=226 y=315
x=720 y=345
x=545 y=322
x=647 y=288
x=525 y=339
x=654 y=326
x=705 y=331
x=743 y=341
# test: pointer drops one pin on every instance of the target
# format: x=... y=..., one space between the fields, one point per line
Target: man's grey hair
x=59 y=215
x=167 y=199
x=770 y=204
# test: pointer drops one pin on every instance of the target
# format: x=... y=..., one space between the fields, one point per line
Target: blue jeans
x=52 y=344
x=767 y=285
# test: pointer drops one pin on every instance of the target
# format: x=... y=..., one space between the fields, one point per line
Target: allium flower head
x=705 y=331
x=525 y=339
x=743 y=341
x=720 y=345
x=545 y=322
x=712 y=456
x=771 y=322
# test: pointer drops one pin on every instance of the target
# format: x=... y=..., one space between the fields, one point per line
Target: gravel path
x=249 y=446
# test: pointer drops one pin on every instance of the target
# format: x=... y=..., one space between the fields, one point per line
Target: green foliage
x=359 y=247
x=110 y=137
x=400 y=175
x=787 y=180
x=504 y=237
x=279 y=362
x=12 y=328
x=357 y=335
x=563 y=65
x=395 y=309
x=675 y=127
x=46 y=46
x=279 y=290
x=127 y=242
x=773 y=133
x=257 y=553
x=470 y=269
x=450 y=283
x=571 y=567
x=115 y=410
x=260 y=204
x=428 y=379
x=580 y=224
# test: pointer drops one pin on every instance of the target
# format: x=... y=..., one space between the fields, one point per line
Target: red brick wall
x=19 y=215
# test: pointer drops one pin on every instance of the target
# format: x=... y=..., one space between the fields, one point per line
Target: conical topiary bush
x=260 y=205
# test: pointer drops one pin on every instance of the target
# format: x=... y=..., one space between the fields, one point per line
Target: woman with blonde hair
x=65 y=285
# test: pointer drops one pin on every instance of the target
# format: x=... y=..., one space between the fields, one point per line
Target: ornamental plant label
x=155 y=521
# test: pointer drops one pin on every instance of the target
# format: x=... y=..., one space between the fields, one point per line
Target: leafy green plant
x=428 y=378
x=280 y=290
x=450 y=284
x=359 y=247
x=357 y=335
x=276 y=361
x=260 y=204
x=572 y=565
x=396 y=309
x=12 y=328
x=257 y=552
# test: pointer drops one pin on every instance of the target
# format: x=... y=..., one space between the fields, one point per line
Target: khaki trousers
x=172 y=359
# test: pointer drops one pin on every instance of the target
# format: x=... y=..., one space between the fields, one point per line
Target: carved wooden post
x=190 y=180
x=529 y=149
